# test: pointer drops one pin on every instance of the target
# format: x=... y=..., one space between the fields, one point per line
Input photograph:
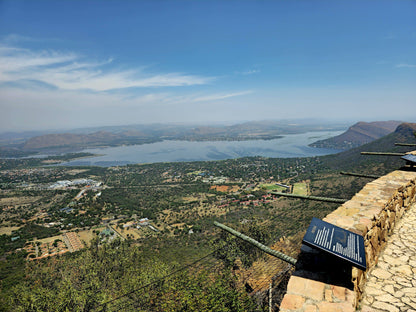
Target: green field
x=300 y=188
x=272 y=187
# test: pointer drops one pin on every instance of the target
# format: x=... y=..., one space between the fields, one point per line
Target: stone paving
x=378 y=213
x=391 y=284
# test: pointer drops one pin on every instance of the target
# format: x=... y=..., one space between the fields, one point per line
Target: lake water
x=293 y=145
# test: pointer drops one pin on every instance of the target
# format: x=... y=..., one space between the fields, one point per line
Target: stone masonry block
x=406 y=201
x=371 y=213
x=345 y=222
x=310 y=308
x=346 y=211
x=291 y=302
x=335 y=307
x=338 y=292
x=328 y=295
x=369 y=255
x=361 y=229
x=306 y=287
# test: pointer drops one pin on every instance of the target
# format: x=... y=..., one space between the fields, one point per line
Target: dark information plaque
x=337 y=241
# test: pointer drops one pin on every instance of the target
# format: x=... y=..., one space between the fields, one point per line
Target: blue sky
x=67 y=64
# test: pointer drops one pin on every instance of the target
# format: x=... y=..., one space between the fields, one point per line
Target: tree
x=93 y=277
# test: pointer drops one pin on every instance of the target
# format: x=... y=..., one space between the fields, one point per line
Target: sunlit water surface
x=293 y=145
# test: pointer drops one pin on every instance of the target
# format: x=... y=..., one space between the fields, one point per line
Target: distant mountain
x=141 y=134
x=353 y=160
x=64 y=139
x=74 y=141
x=359 y=134
x=16 y=138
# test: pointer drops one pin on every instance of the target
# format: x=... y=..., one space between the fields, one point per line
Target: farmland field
x=272 y=187
x=8 y=230
x=301 y=188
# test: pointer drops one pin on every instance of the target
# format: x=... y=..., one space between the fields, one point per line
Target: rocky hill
x=65 y=139
x=353 y=160
x=141 y=134
x=358 y=134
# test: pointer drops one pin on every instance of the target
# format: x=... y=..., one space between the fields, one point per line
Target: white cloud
x=15 y=38
x=15 y=62
x=68 y=71
x=51 y=108
x=248 y=72
x=215 y=97
x=401 y=65
x=251 y=72
x=28 y=109
x=31 y=109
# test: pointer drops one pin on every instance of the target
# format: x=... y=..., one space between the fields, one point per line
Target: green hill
x=352 y=159
x=359 y=134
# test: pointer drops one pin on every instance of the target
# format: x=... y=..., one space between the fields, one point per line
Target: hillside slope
x=352 y=159
x=142 y=134
x=78 y=141
x=358 y=134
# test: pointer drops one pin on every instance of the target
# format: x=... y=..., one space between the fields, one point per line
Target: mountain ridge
x=359 y=134
x=155 y=133
x=404 y=133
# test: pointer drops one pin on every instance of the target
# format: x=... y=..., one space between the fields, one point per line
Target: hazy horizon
x=296 y=122
x=78 y=64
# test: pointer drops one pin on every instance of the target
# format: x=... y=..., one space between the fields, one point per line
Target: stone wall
x=322 y=282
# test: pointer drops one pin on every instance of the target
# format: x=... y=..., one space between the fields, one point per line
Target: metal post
x=382 y=154
x=405 y=144
x=324 y=199
x=259 y=245
x=360 y=175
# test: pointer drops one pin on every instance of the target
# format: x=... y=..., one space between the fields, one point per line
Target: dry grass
x=76 y=171
x=50 y=239
x=8 y=230
x=300 y=188
x=87 y=235
x=178 y=225
x=272 y=187
x=225 y=188
x=189 y=199
x=19 y=200
x=134 y=232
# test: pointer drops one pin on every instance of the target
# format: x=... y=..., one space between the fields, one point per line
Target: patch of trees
x=117 y=277
x=19 y=237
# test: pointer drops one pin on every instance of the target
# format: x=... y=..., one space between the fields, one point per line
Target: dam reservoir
x=293 y=145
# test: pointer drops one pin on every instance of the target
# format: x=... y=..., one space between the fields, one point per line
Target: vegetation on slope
x=131 y=275
x=359 y=134
x=352 y=159
x=119 y=276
